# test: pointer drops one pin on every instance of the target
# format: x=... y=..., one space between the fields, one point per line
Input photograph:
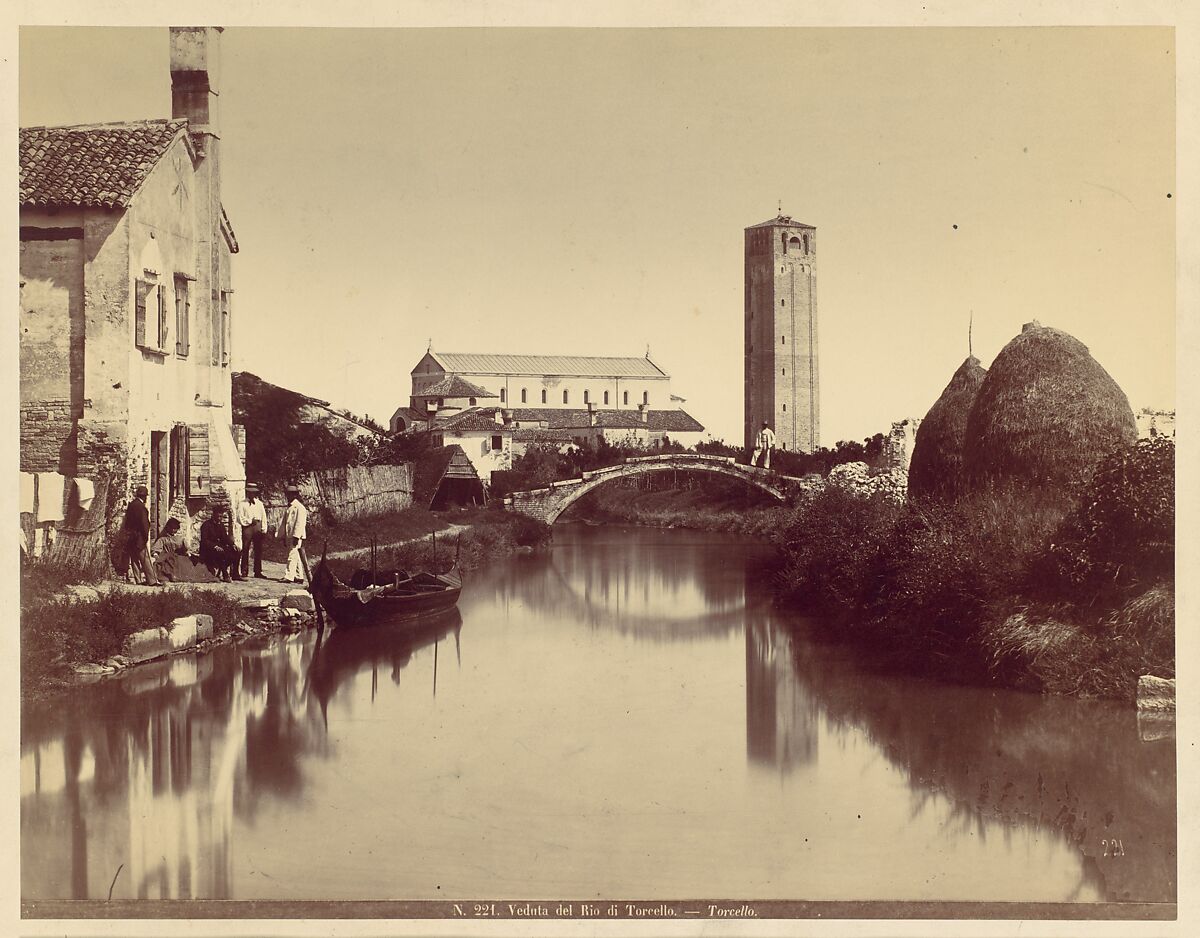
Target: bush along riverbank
x=72 y=623
x=1061 y=589
x=1067 y=591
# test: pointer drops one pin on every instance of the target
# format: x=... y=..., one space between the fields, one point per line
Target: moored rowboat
x=381 y=598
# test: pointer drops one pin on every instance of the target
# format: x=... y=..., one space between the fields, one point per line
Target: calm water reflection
x=622 y=716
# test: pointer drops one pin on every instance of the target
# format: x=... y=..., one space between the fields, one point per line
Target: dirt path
x=450 y=531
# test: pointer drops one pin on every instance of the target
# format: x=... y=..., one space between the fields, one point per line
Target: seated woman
x=217 y=550
x=166 y=550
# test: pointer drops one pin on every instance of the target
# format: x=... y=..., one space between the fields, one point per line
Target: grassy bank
x=58 y=631
x=356 y=533
x=490 y=534
x=705 y=504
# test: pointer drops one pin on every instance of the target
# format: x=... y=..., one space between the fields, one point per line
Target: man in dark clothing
x=217 y=550
x=135 y=536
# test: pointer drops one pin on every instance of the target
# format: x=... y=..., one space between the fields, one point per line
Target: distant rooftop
x=782 y=221
x=454 y=386
x=585 y=366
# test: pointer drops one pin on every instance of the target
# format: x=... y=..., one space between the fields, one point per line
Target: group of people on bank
x=169 y=559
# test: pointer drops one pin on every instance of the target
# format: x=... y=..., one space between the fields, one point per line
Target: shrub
x=945 y=566
x=1120 y=540
x=829 y=548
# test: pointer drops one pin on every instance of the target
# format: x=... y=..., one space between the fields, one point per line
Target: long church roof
x=585 y=366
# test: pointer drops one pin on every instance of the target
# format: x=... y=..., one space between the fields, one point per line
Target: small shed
x=444 y=477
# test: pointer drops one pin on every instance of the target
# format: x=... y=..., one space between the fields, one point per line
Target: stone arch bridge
x=546 y=504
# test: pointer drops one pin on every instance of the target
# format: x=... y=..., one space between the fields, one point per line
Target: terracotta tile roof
x=782 y=221
x=587 y=366
x=454 y=386
x=92 y=165
x=562 y=418
x=478 y=419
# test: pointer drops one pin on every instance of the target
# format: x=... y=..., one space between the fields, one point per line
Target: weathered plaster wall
x=477 y=444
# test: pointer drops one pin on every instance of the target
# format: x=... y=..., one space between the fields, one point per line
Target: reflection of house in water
x=145 y=783
x=781 y=716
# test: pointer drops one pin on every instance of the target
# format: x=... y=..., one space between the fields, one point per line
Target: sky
x=585 y=191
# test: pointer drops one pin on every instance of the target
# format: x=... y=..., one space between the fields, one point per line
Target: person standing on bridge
x=765 y=443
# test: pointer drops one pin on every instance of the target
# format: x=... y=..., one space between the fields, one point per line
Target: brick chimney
x=591 y=413
x=195 y=59
x=195 y=72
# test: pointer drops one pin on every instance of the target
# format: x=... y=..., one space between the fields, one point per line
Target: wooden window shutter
x=183 y=313
x=141 y=288
x=199 y=480
x=162 y=318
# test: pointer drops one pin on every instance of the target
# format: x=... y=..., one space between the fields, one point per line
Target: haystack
x=936 y=465
x=1045 y=415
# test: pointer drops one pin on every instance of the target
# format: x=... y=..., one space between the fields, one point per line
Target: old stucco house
x=126 y=304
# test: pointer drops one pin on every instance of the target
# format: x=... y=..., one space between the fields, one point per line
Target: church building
x=781 y=376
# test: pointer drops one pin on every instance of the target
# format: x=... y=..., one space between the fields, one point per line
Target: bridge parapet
x=548 y=502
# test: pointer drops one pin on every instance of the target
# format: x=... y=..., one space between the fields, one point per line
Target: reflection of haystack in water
x=936 y=465
x=1046 y=413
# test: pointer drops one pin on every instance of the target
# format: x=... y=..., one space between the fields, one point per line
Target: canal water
x=622 y=716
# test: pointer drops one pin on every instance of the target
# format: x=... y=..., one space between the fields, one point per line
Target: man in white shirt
x=252 y=516
x=766 y=443
x=293 y=526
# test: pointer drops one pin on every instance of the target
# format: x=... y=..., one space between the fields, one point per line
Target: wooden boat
x=384 y=597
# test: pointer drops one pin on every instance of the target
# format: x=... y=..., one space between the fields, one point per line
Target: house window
x=183 y=314
x=497 y=442
x=503 y=395
x=523 y=397
x=645 y=397
x=785 y=372
x=543 y=395
x=149 y=296
x=585 y=397
x=471 y=400
x=785 y=408
x=783 y=340
x=605 y=398
x=566 y=396
x=625 y=399
x=783 y=302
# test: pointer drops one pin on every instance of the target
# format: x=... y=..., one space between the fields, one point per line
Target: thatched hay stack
x=1045 y=414
x=936 y=465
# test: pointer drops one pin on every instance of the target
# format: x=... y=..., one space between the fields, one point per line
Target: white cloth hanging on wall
x=28 y=487
x=50 y=497
x=85 y=492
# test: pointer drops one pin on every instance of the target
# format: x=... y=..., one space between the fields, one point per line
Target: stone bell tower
x=781 y=377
